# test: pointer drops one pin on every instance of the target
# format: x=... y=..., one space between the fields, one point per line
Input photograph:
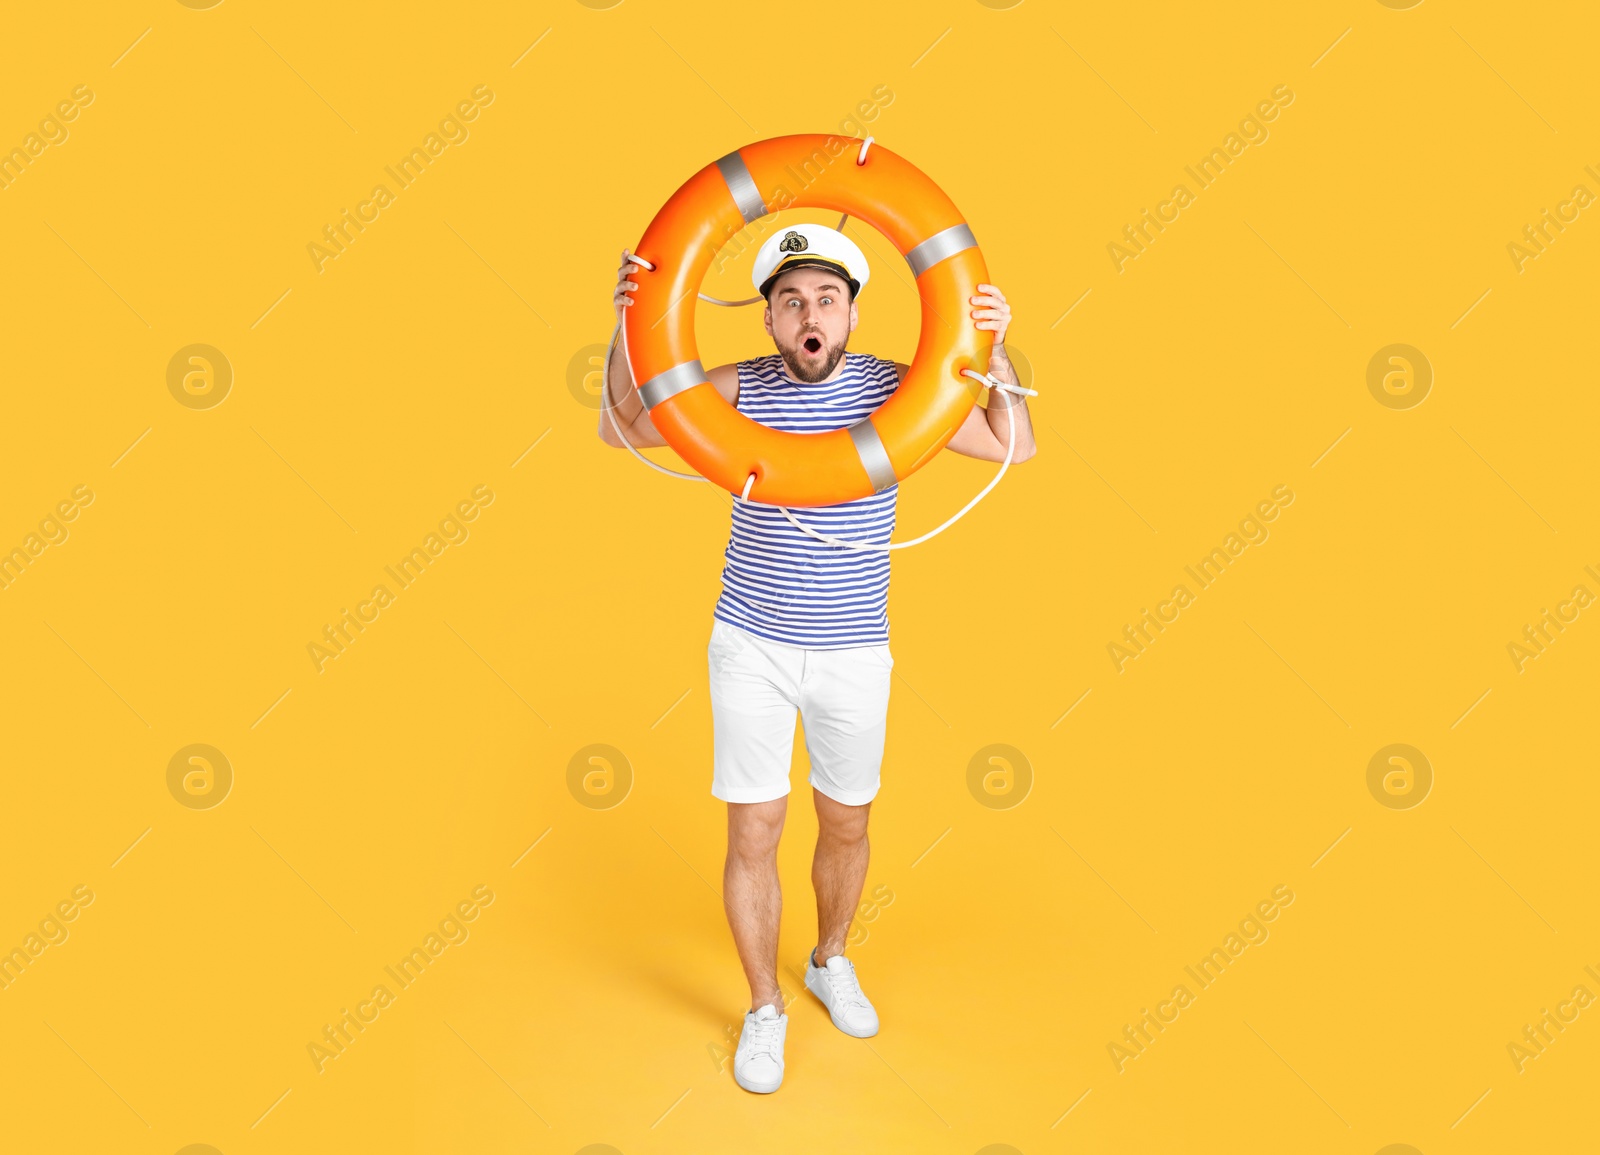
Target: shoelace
x=763 y=1036
x=847 y=987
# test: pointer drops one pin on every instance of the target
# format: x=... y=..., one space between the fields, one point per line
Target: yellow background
x=1009 y=945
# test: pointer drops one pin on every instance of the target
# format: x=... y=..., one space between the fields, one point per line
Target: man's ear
x=766 y=318
x=854 y=317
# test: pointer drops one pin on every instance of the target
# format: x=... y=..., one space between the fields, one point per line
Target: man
x=802 y=624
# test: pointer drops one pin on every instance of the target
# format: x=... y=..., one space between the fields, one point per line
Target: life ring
x=904 y=433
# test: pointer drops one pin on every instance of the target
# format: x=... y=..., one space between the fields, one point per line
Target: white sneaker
x=758 y=1062
x=835 y=984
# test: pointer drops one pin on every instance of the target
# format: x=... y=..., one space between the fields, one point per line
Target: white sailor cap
x=810 y=246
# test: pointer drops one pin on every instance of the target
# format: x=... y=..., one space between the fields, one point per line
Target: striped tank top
x=784 y=585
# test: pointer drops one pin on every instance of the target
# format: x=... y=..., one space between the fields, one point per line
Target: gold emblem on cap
x=793 y=242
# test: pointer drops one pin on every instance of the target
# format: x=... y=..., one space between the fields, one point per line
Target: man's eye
x=827 y=300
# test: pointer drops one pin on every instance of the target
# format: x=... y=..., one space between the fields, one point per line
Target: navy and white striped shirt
x=784 y=585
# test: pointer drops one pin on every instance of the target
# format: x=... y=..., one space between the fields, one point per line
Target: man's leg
x=838 y=871
x=751 y=895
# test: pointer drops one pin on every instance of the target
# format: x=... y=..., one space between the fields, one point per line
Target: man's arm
x=627 y=408
x=984 y=431
x=641 y=431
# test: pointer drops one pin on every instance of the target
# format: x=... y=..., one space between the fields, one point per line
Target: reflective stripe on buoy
x=743 y=187
x=671 y=382
x=869 y=447
x=939 y=247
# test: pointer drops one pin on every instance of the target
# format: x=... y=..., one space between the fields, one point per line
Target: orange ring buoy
x=807 y=469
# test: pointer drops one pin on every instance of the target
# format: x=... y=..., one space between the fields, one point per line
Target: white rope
x=866 y=144
x=994 y=383
x=731 y=304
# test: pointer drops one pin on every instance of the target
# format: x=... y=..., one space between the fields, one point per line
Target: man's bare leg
x=751 y=895
x=838 y=870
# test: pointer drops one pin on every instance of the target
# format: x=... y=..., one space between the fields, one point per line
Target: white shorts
x=756 y=687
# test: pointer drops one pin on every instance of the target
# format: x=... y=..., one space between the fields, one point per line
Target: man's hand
x=625 y=284
x=626 y=405
x=985 y=431
x=995 y=314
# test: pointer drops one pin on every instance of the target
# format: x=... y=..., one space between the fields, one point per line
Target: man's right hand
x=625 y=284
x=627 y=407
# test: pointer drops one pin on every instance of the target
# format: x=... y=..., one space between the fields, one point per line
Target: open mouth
x=812 y=345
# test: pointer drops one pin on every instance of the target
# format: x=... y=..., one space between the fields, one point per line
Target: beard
x=809 y=367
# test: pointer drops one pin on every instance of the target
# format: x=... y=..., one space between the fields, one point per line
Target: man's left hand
x=993 y=313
